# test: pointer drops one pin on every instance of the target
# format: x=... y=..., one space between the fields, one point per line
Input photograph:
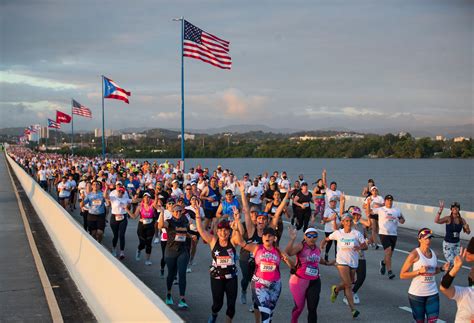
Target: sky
x=309 y=65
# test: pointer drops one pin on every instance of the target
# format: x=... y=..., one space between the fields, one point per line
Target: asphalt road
x=382 y=300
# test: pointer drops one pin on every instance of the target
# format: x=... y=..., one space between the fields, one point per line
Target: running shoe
x=114 y=252
x=251 y=308
x=391 y=275
x=382 y=267
x=138 y=255
x=156 y=241
x=182 y=304
x=122 y=256
x=212 y=319
x=188 y=270
x=148 y=262
x=243 y=298
x=355 y=313
x=333 y=293
x=356 y=299
x=169 y=300
x=345 y=300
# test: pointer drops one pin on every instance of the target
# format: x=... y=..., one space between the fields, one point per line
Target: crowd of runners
x=241 y=221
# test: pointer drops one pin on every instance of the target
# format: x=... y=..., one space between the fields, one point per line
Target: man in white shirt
x=64 y=192
x=389 y=217
x=376 y=201
x=332 y=191
x=255 y=193
x=43 y=178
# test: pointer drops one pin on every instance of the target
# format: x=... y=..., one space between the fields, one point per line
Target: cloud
x=349 y=112
x=14 y=78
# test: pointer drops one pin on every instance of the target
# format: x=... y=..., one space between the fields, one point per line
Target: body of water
x=420 y=181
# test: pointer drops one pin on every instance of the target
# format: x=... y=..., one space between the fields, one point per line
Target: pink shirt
x=267 y=263
x=146 y=212
x=308 y=262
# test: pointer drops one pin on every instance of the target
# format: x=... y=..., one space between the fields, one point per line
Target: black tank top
x=453 y=231
x=223 y=261
x=244 y=254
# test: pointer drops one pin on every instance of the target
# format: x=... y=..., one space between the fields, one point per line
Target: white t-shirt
x=376 y=202
x=330 y=193
x=328 y=226
x=72 y=183
x=42 y=174
x=284 y=185
x=388 y=220
x=176 y=193
x=119 y=203
x=63 y=189
x=257 y=191
x=346 y=255
x=464 y=297
x=82 y=187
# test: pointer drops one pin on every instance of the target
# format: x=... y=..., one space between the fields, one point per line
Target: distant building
x=440 y=138
x=187 y=136
x=133 y=136
x=338 y=136
x=402 y=134
x=460 y=139
x=44 y=133
x=98 y=132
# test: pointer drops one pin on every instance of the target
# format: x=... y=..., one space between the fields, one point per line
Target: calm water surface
x=420 y=181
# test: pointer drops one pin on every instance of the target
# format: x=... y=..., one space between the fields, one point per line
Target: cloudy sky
x=296 y=64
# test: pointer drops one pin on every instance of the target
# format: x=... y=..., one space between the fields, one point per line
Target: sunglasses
x=312 y=235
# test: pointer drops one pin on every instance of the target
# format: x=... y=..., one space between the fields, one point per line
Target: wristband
x=447 y=280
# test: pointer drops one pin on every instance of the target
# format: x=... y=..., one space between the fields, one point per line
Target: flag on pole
x=26 y=132
x=208 y=48
x=80 y=110
x=54 y=124
x=113 y=91
x=32 y=129
x=62 y=117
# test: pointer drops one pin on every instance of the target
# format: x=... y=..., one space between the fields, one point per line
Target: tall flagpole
x=182 y=89
x=103 y=120
x=72 y=130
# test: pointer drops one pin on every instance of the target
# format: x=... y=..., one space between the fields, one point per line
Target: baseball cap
x=425 y=233
x=223 y=224
x=374 y=188
x=311 y=230
x=388 y=197
x=356 y=210
x=228 y=191
x=333 y=199
x=174 y=181
x=269 y=230
x=346 y=216
x=177 y=208
x=147 y=194
x=118 y=183
x=254 y=209
x=265 y=214
x=456 y=204
x=121 y=189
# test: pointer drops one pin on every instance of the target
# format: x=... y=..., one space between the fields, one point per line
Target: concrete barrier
x=420 y=216
x=112 y=291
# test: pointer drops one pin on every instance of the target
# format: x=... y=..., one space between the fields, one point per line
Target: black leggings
x=312 y=299
x=145 y=233
x=118 y=229
x=219 y=287
x=163 y=262
x=329 y=244
x=361 y=270
x=248 y=269
x=302 y=218
x=178 y=265
x=84 y=219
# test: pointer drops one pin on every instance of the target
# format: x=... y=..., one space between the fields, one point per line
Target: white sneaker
x=188 y=270
x=345 y=301
x=148 y=262
x=138 y=255
x=156 y=241
x=356 y=299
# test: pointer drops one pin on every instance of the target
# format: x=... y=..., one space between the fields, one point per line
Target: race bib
x=147 y=221
x=428 y=279
x=224 y=261
x=347 y=245
x=119 y=217
x=180 y=237
x=97 y=202
x=456 y=234
x=306 y=204
x=312 y=271
x=274 y=209
x=215 y=203
x=267 y=267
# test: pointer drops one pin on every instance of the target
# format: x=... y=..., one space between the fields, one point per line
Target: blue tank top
x=214 y=194
x=227 y=207
x=453 y=231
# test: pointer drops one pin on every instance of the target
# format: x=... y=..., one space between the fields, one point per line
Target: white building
x=460 y=139
x=44 y=133
x=440 y=138
x=98 y=132
x=187 y=136
x=133 y=136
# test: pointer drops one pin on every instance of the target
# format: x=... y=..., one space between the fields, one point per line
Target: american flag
x=80 y=110
x=53 y=124
x=204 y=46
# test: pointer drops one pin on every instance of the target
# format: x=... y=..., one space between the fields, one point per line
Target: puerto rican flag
x=113 y=91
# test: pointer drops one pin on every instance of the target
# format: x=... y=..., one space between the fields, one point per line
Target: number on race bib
x=119 y=217
x=180 y=237
x=267 y=267
x=215 y=203
x=96 y=202
x=312 y=271
x=147 y=221
x=224 y=261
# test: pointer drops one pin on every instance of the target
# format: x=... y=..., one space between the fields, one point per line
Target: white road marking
x=405 y=308
x=396 y=249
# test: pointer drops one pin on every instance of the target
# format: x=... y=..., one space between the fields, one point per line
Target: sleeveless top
x=227 y=207
x=214 y=194
x=267 y=264
x=223 y=261
x=273 y=209
x=146 y=214
x=307 y=265
x=453 y=231
x=244 y=254
x=424 y=284
x=320 y=192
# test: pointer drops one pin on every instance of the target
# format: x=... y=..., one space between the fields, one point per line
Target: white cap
x=310 y=230
x=374 y=188
x=174 y=181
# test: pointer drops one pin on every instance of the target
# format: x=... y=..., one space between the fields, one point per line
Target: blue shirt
x=95 y=203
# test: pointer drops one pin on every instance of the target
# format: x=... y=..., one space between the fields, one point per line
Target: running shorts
x=388 y=241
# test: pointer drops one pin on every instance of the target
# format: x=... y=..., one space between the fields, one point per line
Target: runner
x=95 y=202
x=266 y=281
x=389 y=217
x=192 y=216
x=118 y=220
x=271 y=209
x=454 y=224
x=64 y=192
x=319 y=196
x=376 y=201
x=296 y=189
x=146 y=226
x=168 y=214
x=225 y=209
x=423 y=292
x=305 y=282
x=223 y=270
x=330 y=215
x=255 y=194
x=176 y=252
x=303 y=202
x=211 y=197
x=350 y=241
